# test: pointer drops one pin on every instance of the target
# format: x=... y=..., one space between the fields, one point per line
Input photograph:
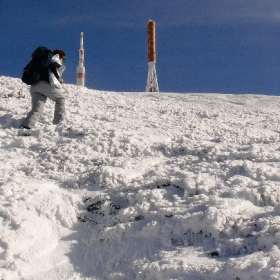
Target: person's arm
x=53 y=66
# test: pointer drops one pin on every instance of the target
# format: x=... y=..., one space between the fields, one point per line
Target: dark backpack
x=37 y=66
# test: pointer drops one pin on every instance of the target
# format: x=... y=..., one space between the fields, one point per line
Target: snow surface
x=140 y=186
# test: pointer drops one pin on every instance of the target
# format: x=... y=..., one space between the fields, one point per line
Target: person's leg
x=59 y=111
x=38 y=102
x=55 y=95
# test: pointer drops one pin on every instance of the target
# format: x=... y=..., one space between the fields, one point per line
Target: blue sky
x=219 y=46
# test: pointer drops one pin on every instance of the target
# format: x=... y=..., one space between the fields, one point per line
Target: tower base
x=152 y=83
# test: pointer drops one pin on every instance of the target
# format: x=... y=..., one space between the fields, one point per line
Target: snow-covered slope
x=140 y=186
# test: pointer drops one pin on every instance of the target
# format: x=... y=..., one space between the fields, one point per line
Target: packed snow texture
x=140 y=186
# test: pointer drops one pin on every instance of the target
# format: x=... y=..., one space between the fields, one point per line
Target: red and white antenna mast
x=152 y=83
x=81 y=70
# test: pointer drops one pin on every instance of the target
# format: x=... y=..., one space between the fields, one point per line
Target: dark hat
x=61 y=53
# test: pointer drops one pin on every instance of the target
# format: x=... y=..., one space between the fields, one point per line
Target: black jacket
x=53 y=68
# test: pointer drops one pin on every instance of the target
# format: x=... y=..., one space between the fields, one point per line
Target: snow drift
x=140 y=186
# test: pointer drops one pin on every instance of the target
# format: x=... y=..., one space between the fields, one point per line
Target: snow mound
x=140 y=186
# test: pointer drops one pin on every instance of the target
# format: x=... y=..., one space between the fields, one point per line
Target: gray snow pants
x=40 y=92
